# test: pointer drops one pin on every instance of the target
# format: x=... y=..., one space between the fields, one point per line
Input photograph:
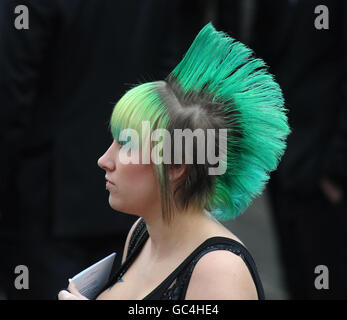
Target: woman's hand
x=331 y=191
x=74 y=294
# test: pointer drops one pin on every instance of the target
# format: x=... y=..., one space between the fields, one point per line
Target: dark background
x=59 y=81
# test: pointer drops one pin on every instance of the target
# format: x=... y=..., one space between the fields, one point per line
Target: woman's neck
x=185 y=231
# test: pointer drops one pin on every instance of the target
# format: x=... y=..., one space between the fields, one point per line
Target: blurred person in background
x=59 y=80
x=308 y=191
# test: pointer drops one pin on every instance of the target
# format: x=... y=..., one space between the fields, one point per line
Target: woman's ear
x=176 y=173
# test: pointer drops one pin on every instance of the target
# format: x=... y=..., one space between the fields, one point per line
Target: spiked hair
x=218 y=84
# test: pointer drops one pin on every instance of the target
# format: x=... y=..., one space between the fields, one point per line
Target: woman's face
x=133 y=187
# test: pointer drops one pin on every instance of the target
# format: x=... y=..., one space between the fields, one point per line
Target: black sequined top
x=174 y=287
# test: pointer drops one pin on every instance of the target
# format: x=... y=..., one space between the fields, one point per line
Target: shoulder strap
x=136 y=236
x=212 y=241
x=239 y=250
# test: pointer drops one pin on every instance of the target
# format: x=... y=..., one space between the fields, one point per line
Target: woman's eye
x=120 y=143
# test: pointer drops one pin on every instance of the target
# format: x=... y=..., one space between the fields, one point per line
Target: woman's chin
x=115 y=205
x=117 y=208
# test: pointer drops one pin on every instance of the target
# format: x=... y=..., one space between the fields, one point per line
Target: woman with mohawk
x=178 y=249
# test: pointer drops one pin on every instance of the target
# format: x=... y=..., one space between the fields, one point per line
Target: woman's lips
x=107 y=179
x=109 y=184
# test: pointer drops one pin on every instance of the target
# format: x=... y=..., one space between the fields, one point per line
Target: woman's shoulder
x=219 y=273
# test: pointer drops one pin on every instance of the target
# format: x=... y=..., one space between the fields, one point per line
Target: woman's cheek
x=142 y=178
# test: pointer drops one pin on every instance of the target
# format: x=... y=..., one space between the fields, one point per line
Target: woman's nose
x=105 y=162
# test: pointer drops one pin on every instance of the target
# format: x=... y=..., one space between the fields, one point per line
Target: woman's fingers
x=74 y=294
x=72 y=288
x=66 y=295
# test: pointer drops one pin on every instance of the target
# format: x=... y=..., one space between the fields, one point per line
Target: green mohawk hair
x=218 y=64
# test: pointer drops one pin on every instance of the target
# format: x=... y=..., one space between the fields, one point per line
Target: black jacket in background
x=310 y=66
x=59 y=81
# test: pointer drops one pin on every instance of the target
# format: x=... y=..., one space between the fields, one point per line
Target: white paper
x=90 y=281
